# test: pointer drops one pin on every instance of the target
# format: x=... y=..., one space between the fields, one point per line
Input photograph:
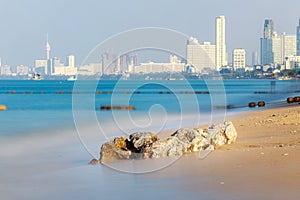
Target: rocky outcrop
x=143 y=145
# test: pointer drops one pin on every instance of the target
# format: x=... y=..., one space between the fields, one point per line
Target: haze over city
x=76 y=27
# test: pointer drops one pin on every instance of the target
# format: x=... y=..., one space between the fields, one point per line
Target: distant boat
x=72 y=78
x=36 y=77
x=171 y=79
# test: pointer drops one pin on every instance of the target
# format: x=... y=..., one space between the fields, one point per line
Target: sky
x=77 y=26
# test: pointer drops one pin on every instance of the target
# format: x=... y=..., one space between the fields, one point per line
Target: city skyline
x=275 y=49
x=76 y=27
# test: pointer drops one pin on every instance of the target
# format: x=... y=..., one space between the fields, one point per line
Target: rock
x=222 y=134
x=111 y=151
x=94 y=162
x=230 y=132
x=218 y=139
x=142 y=145
x=193 y=139
x=170 y=146
x=138 y=141
x=120 y=143
x=131 y=147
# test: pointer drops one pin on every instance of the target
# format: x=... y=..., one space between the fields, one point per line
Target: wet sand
x=264 y=162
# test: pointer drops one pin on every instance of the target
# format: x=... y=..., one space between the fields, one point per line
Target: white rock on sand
x=143 y=145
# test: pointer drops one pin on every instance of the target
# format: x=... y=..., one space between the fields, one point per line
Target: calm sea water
x=37 y=105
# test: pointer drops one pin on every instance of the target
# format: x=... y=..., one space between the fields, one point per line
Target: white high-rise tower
x=221 y=53
x=71 y=61
x=48 y=49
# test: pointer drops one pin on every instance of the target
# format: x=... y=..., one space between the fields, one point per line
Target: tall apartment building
x=239 y=58
x=298 y=39
x=266 y=43
x=201 y=55
x=221 y=53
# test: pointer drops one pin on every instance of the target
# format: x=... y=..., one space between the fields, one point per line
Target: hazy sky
x=76 y=26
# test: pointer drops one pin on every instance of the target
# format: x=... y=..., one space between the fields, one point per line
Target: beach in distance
x=45 y=154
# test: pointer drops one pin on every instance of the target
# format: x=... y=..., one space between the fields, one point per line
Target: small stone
x=94 y=162
x=222 y=183
x=209 y=148
x=262 y=153
x=286 y=154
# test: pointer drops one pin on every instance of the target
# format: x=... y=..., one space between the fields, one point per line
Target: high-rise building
x=255 y=58
x=268 y=28
x=283 y=46
x=277 y=48
x=43 y=66
x=266 y=51
x=239 y=58
x=289 y=45
x=298 y=39
x=70 y=61
x=266 y=43
x=221 y=55
x=108 y=63
x=200 y=56
x=208 y=55
x=48 y=48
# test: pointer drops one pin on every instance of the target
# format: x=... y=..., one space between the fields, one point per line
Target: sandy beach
x=262 y=164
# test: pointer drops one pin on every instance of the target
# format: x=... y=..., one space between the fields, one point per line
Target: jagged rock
x=218 y=139
x=142 y=145
x=138 y=141
x=120 y=143
x=193 y=139
x=170 y=146
x=222 y=134
x=114 y=150
x=230 y=132
x=131 y=147
x=94 y=162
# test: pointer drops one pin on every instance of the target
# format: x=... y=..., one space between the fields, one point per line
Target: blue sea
x=41 y=105
x=51 y=129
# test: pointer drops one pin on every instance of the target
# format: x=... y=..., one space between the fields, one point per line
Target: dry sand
x=264 y=162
